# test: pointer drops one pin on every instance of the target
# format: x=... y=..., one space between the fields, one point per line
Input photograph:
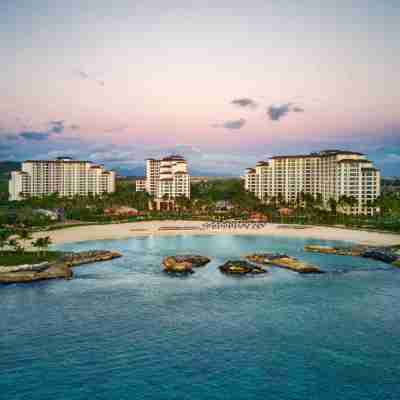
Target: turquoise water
x=124 y=330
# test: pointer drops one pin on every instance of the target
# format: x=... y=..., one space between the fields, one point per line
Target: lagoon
x=125 y=330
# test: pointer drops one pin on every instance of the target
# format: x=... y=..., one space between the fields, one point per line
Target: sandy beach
x=127 y=230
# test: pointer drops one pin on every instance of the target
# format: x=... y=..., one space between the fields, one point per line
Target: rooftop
x=173 y=157
x=322 y=153
x=351 y=160
x=58 y=161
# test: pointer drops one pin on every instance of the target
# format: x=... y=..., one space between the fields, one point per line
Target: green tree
x=333 y=205
x=24 y=235
x=347 y=201
x=42 y=243
x=13 y=243
x=4 y=236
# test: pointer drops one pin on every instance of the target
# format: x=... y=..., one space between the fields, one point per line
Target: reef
x=183 y=264
x=283 y=261
x=240 y=267
x=59 y=269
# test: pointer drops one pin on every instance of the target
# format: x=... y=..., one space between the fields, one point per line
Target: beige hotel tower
x=167 y=177
x=64 y=176
x=329 y=173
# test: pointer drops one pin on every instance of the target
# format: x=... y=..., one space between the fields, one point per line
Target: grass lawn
x=8 y=258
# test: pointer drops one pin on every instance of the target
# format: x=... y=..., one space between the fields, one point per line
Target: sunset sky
x=225 y=83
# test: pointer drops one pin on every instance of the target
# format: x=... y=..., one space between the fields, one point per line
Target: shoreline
x=182 y=227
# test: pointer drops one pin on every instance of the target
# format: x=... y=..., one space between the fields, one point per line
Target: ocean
x=125 y=330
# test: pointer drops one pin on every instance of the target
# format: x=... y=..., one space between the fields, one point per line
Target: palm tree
x=181 y=202
x=319 y=202
x=24 y=235
x=352 y=201
x=347 y=201
x=333 y=205
x=14 y=244
x=42 y=243
x=4 y=235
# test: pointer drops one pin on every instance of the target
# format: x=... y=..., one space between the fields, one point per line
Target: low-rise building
x=223 y=205
x=140 y=184
x=122 y=211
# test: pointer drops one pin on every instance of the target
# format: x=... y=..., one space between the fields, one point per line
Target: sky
x=224 y=83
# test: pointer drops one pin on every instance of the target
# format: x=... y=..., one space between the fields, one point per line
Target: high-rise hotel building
x=330 y=174
x=167 y=177
x=64 y=176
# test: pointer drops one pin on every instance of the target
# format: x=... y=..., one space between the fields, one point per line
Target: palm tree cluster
x=17 y=240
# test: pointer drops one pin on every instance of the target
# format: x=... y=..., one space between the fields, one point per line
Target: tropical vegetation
x=211 y=200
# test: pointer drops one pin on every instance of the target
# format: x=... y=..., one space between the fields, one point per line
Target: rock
x=341 y=251
x=284 y=261
x=380 y=255
x=173 y=266
x=396 y=263
x=57 y=270
x=52 y=270
x=240 y=267
x=87 y=257
x=25 y=267
x=195 y=260
x=385 y=254
x=184 y=264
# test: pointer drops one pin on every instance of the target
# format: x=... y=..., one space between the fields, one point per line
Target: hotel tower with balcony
x=329 y=174
x=167 y=177
x=63 y=176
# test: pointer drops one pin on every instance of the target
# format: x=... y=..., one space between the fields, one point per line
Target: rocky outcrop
x=183 y=264
x=88 y=257
x=388 y=255
x=196 y=260
x=56 y=270
x=284 y=261
x=240 y=267
x=172 y=266
x=383 y=255
x=341 y=251
x=25 y=267
x=60 y=269
x=396 y=263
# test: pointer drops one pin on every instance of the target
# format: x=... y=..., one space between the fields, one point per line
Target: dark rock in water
x=173 y=266
x=25 y=267
x=354 y=251
x=87 y=257
x=60 y=269
x=284 y=261
x=385 y=254
x=56 y=270
x=380 y=255
x=195 y=260
x=396 y=263
x=240 y=267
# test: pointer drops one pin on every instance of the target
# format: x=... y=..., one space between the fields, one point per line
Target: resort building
x=167 y=178
x=140 y=184
x=329 y=174
x=63 y=176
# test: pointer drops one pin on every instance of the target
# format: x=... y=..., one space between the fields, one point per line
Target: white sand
x=127 y=230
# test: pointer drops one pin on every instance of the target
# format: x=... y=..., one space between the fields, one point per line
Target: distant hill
x=137 y=171
x=141 y=171
x=6 y=167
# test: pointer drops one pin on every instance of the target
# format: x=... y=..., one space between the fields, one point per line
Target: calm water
x=124 y=330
